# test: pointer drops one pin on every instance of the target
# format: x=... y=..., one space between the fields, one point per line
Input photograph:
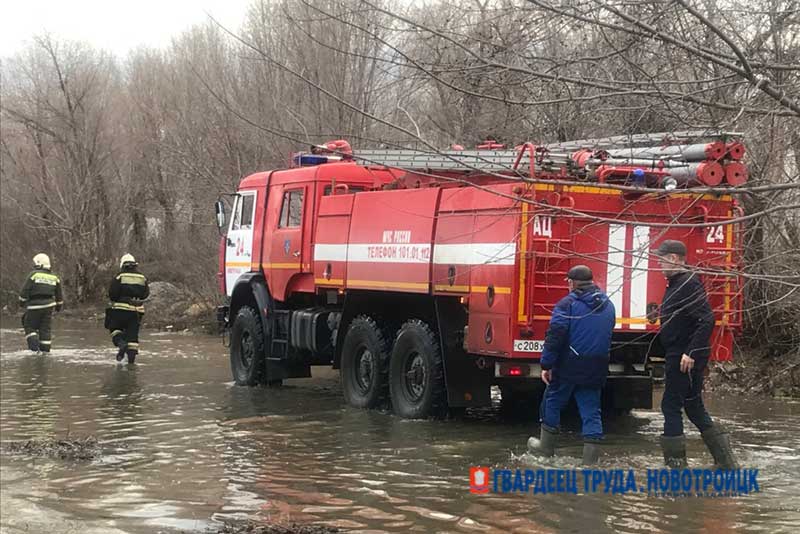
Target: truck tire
x=416 y=373
x=364 y=368
x=247 y=347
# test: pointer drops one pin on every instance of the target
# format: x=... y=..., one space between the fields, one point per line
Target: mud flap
x=467 y=386
x=274 y=368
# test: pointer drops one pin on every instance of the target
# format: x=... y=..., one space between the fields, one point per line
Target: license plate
x=528 y=345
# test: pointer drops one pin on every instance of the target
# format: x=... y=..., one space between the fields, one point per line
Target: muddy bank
x=261 y=528
x=172 y=308
x=756 y=373
x=86 y=448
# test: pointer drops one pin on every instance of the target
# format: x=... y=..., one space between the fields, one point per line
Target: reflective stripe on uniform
x=122 y=306
x=21 y=299
x=133 y=345
x=42 y=306
x=42 y=342
x=116 y=333
x=127 y=307
x=32 y=334
x=45 y=278
x=132 y=278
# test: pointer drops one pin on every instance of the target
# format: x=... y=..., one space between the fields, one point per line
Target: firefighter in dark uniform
x=40 y=295
x=127 y=293
x=686 y=325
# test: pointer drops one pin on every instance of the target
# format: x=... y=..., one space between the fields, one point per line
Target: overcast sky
x=114 y=25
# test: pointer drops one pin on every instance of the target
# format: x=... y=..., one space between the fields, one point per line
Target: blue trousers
x=556 y=397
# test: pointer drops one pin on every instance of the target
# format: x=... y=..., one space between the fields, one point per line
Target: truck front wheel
x=416 y=375
x=247 y=347
x=364 y=368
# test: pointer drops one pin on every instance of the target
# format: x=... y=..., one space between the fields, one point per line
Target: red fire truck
x=426 y=277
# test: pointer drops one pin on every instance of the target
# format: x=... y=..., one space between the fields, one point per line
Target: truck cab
x=273 y=223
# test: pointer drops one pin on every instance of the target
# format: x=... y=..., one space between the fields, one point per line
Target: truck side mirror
x=219 y=209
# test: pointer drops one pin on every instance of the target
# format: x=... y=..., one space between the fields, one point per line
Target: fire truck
x=426 y=277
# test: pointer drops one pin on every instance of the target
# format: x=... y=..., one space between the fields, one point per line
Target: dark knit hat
x=671 y=246
x=580 y=273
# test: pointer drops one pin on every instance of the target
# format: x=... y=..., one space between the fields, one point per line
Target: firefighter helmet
x=127 y=258
x=41 y=260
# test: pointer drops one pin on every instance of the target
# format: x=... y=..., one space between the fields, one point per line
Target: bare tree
x=100 y=155
x=61 y=103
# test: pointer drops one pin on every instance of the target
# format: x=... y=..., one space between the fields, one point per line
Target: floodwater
x=184 y=450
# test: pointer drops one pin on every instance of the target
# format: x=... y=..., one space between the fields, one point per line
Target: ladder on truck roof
x=549 y=155
x=450 y=160
x=668 y=159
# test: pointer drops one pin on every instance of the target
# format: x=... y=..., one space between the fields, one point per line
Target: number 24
x=715 y=235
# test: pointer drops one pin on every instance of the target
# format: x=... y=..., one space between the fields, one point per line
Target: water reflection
x=121 y=395
x=32 y=386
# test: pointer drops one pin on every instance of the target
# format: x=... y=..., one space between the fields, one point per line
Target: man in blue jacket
x=575 y=362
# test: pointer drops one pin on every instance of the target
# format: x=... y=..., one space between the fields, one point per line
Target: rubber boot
x=132 y=355
x=674 y=448
x=123 y=347
x=33 y=342
x=591 y=451
x=118 y=339
x=719 y=445
x=546 y=444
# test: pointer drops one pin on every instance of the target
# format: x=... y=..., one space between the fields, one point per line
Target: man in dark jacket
x=686 y=325
x=575 y=362
x=40 y=295
x=127 y=293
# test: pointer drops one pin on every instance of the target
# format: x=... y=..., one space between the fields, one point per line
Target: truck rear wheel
x=416 y=375
x=364 y=368
x=247 y=347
